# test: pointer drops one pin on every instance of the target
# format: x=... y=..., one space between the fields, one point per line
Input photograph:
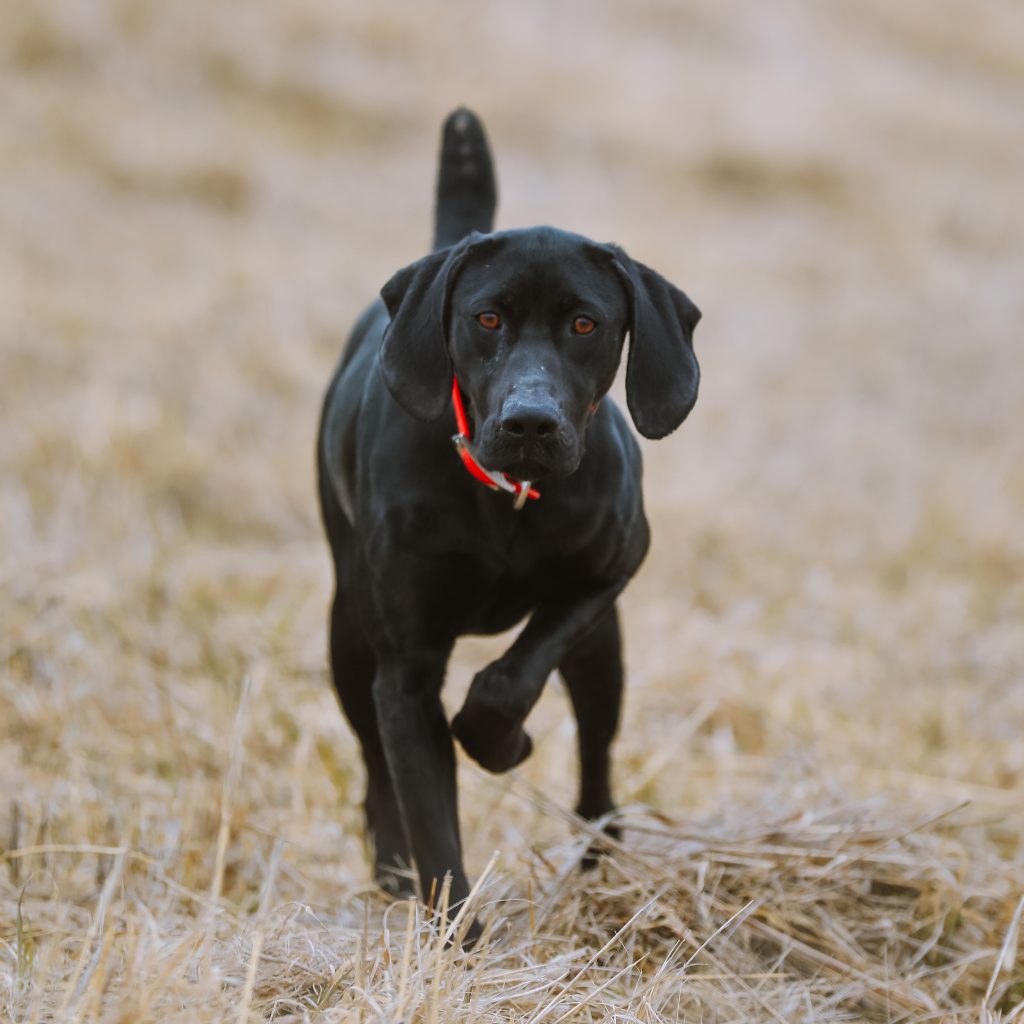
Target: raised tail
x=466 y=190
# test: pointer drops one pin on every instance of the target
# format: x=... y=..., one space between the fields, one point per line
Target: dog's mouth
x=556 y=454
x=530 y=463
x=527 y=469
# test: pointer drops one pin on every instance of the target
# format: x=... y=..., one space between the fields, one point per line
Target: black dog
x=510 y=341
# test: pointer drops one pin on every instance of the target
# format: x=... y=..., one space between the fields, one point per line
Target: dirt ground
x=822 y=754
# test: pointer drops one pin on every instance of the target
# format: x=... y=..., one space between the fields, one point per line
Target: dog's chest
x=498 y=602
x=516 y=546
x=508 y=580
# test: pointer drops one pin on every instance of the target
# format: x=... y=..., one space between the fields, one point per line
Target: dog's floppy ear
x=414 y=358
x=662 y=374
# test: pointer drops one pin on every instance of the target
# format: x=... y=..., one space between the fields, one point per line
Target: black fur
x=424 y=554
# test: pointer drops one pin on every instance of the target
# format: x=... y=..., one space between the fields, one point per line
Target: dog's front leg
x=490 y=724
x=421 y=760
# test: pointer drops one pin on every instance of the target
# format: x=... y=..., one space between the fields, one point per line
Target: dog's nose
x=529 y=422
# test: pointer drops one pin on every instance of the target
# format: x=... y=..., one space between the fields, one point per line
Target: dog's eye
x=489 y=320
x=583 y=325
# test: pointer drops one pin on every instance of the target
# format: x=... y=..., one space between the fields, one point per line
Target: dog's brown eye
x=583 y=325
x=489 y=320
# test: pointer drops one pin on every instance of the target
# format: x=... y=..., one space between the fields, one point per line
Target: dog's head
x=532 y=322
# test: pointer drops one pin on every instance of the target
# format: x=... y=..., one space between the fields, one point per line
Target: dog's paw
x=490 y=726
x=597 y=849
x=396 y=881
x=493 y=743
x=397 y=884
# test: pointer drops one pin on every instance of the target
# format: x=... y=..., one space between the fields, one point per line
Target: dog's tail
x=466 y=190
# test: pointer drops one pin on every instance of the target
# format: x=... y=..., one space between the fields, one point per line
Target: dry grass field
x=822 y=761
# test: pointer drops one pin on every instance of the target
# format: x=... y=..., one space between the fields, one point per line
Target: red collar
x=521 y=489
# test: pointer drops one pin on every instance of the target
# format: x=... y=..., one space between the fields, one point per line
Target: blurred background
x=196 y=201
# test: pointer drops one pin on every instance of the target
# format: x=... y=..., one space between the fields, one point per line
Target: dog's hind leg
x=592 y=671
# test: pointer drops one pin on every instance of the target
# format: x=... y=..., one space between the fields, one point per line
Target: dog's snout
x=529 y=435
x=528 y=422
